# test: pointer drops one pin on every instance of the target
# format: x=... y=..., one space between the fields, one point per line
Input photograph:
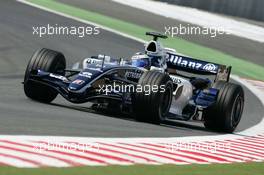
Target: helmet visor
x=142 y=62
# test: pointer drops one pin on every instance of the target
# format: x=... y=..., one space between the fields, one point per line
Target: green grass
x=240 y=66
x=216 y=169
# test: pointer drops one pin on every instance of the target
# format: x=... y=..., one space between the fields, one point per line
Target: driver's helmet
x=146 y=61
x=155 y=51
x=141 y=60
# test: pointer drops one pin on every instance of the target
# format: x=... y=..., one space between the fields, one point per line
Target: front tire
x=45 y=60
x=153 y=107
x=226 y=113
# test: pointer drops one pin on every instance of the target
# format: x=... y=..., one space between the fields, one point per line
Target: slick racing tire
x=225 y=114
x=153 y=106
x=45 y=60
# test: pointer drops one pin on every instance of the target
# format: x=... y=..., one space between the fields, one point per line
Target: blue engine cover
x=206 y=98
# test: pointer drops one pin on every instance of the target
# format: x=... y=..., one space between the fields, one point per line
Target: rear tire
x=45 y=60
x=225 y=114
x=154 y=107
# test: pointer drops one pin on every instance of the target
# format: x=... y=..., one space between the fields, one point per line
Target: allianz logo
x=182 y=62
x=178 y=60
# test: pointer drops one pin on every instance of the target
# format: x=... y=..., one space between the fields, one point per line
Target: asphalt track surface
x=22 y=116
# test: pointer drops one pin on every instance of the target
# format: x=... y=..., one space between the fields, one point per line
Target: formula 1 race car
x=154 y=86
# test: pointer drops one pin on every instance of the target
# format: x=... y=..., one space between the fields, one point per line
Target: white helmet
x=155 y=51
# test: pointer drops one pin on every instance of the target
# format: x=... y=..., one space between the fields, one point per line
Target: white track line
x=198 y=17
x=259 y=128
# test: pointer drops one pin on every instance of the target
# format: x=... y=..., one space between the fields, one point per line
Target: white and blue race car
x=155 y=85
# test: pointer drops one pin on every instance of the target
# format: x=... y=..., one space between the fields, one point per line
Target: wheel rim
x=237 y=110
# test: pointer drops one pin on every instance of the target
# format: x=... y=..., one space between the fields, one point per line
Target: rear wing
x=178 y=62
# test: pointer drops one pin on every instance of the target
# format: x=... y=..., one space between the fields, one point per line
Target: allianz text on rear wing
x=187 y=64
